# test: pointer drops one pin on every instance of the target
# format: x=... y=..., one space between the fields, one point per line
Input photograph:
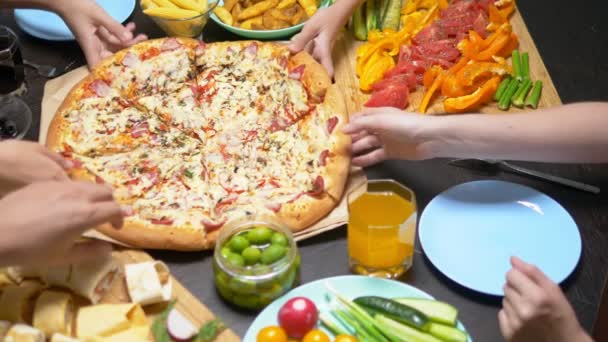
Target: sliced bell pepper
x=376 y=71
x=430 y=74
x=426 y=100
x=493 y=49
x=474 y=73
x=469 y=102
x=451 y=87
x=511 y=45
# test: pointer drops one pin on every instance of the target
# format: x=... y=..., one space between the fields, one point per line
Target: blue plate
x=470 y=231
x=48 y=25
x=349 y=286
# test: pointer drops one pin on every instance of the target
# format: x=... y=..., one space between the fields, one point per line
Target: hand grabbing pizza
x=42 y=221
x=379 y=134
x=320 y=32
x=98 y=34
x=535 y=308
x=27 y=162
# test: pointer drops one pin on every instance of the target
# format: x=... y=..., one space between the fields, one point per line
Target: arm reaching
x=320 y=31
x=572 y=133
x=98 y=34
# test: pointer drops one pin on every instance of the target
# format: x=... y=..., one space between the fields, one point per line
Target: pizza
x=193 y=136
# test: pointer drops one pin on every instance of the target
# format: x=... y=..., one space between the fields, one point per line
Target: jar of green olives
x=255 y=263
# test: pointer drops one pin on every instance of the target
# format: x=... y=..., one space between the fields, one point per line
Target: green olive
x=242 y=286
x=298 y=261
x=272 y=254
x=259 y=235
x=236 y=259
x=246 y=301
x=251 y=255
x=288 y=280
x=225 y=252
x=221 y=282
x=238 y=244
x=279 y=239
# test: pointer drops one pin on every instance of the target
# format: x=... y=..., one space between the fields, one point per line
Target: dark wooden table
x=573 y=40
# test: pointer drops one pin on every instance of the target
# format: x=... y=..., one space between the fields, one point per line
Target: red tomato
x=298 y=316
x=316 y=336
x=395 y=95
x=272 y=334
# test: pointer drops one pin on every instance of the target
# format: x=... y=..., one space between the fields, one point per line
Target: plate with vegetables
x=357 y=308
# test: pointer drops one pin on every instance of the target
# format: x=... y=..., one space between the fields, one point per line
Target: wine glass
x=15 y=115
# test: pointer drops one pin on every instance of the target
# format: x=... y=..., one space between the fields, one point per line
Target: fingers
x=365 y=144
x=322 y=53
x=299 y=41
x=358 y=136
x=108 y=37
x=530 y=271
x=503 y=323
x=114 y=27
x=520 y=282
x=360 y=123
x=90 y=47
x=139 y=38
x=57 y=158
x=86 y=251
x=95 y=214
x=371 y=158
x=94 y=192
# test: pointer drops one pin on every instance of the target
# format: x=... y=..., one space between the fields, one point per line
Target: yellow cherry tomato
x=345 y=338
x=315 y=336
x=272 y=334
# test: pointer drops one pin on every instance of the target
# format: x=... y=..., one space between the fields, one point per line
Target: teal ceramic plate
x=263 y=34
x=350 y=286
x=48 y=25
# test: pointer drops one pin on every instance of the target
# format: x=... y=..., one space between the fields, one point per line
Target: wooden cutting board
x=187 y=304
x=345 y=57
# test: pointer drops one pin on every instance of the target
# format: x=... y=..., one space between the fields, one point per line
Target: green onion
x=159 y=326
x=502 y=87
x=359 y=24
x=334 y=327
x=188 y=173
x=534 y=98
x=209 y=331
x=516 y=62
x=505 y=100
x=518 y=99
x=525 y=66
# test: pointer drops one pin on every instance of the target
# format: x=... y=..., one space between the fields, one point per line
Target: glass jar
x=254 y=286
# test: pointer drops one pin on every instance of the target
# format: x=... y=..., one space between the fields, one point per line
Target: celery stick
x=534 y=98
x=516 y=62
x=505 y=101
x=520 y=96
x=502 y=87
x=525 y=66
x=522 y=86
x=359 y=27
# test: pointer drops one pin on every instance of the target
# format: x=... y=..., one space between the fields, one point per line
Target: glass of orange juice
x=382 y=229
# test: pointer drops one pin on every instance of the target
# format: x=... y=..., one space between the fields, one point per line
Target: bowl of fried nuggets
x=265 y=19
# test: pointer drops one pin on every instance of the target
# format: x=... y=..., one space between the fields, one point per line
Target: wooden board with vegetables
x=126 y=297
x=465 y=64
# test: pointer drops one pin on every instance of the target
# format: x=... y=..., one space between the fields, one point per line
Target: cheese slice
x=24 y=333
x=54 y=313
x=16 y=302
x=5 y=278
x=4 y=326
x=93 y=279
x=62 y=338
x=104 y=320
x=145 y=282
x=135 y=334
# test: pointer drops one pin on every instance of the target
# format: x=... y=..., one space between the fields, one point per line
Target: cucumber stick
x=392 y=16
x=401 y=332
x=394 y=310
x=359 y=24
x=371 y=15
x=447 y=333
x=436 y=311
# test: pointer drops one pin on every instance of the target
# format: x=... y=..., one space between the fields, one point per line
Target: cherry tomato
x=298 y=316
x=316 y=336
x=345 y=338
x=272 y=334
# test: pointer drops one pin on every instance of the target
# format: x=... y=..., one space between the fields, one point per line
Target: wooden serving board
x=345 y=59
x=187 y=304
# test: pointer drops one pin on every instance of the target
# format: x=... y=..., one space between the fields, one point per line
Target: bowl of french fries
x=179 y=18
x=265 y=19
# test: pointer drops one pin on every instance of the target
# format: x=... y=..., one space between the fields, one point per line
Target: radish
x=298 y=316
x=179 y=327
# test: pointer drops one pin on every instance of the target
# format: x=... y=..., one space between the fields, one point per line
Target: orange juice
x=381 y=230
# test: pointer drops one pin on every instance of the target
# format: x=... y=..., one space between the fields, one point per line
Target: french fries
x=148 y=4
x=170 y=13
x=224 y=15
x=164 y=3
x=264 y=14
x=193 y=5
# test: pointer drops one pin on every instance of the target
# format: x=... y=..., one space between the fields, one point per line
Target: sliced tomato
x=397 y=95
x=331 y=124
x=323 y=157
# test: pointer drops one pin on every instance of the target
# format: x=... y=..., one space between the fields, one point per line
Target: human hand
x=319 y=35
x=389 y=133
x=42 y=221
x=535 y=309
x=98 y=34
x=27 y=162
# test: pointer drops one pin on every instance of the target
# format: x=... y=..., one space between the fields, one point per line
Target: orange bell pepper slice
x=468 y=102
x=430 y=74
x=507 y=9
x=452 y=87
x=461 y=64
x=475 y=73
x=511 y=45
x=375 y=71
x=430 y=92
x=493 y=49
